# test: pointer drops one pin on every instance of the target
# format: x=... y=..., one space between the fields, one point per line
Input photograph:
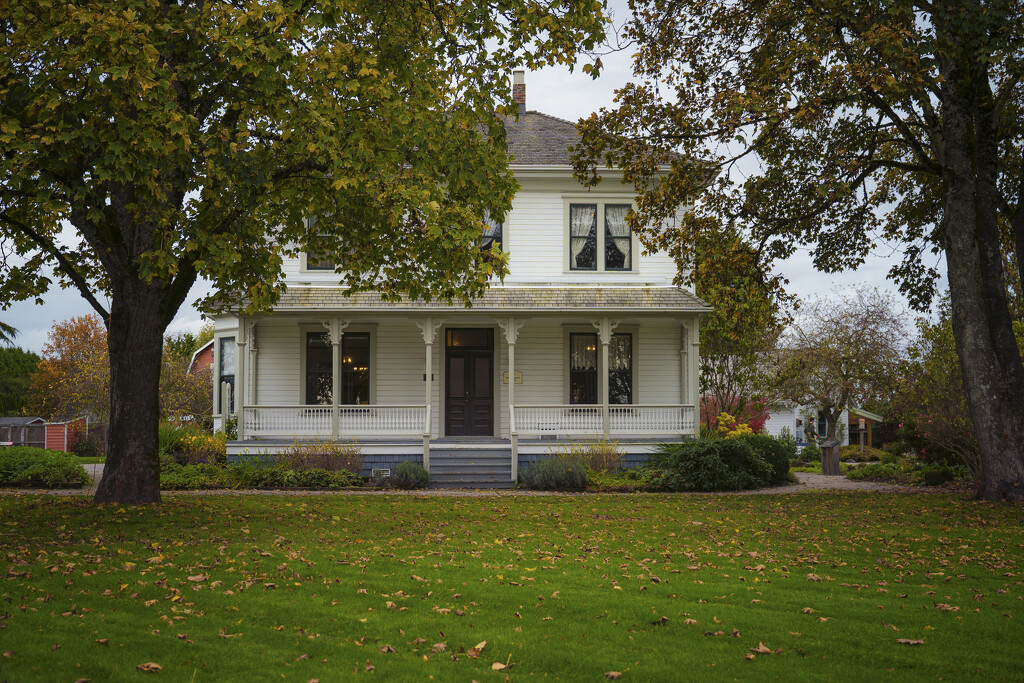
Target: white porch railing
x=589 y=419
x=317 y=421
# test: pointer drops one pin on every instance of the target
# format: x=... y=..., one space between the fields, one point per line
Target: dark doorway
x=469 y=382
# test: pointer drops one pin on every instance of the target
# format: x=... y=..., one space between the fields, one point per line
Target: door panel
x=469 y=393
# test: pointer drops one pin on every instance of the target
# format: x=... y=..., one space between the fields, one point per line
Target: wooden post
x=336 y=329
x=240 y=383
x=695 y=373
x=511 y=329
x=428 y=326
x=604 y=328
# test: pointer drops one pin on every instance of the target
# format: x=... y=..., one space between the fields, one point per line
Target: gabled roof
x=20 y=421
x=866 y=414
x=537 y=139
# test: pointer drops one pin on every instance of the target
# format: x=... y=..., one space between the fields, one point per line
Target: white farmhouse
x=586 y=337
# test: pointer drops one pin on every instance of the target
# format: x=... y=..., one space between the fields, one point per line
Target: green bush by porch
x=24 y=466
x=567 y=587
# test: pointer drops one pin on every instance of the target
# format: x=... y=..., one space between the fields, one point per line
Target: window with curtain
x=583 y=387
x=494 y=234
x=618 y=240
x=583 y=236
x=316 y=260
x=620 y=369
x=355 y=369
x=226 y=371
x=584 y=360
x=600 y=238
x=319 y=369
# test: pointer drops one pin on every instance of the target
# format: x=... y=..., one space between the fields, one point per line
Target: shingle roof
x=538 y=139
x=19 y=421
x=506 y=300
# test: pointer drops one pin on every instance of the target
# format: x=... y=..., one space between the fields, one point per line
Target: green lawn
x=658 y=587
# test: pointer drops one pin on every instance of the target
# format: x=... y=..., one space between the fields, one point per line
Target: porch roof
x=506 y=300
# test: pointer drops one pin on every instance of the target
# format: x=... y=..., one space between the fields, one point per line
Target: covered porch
x=420 y=377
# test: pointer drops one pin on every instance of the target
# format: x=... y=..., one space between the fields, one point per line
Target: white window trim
x=600 y=202
x=305 y=328
x=589 y=329
x=218 y=337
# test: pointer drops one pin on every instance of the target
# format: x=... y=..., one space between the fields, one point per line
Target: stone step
x=472 y=484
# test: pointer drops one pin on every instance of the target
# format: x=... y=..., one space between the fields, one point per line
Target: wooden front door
x=469 y=382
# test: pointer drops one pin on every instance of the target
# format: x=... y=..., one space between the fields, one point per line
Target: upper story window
x=599 y=237
x=313 y=260
x=493 y=238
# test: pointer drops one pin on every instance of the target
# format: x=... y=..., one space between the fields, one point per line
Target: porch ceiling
x=507 y=300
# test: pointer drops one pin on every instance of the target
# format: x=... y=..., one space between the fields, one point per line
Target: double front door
x=469 y=382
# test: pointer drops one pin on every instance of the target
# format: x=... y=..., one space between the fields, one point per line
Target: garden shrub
x=269 y=474
x=853 y=452
x=875 y=472
x=596 y=454
x=811 y=452
x=40 y=468
x=409 y=474
x=554 y=474
x=84 y=447
x=709 y=465
x=776 y=452
x=323 y=455
x=628 y=479
x=934 y=476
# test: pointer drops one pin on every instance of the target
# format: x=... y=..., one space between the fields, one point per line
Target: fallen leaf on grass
x=908 y=641
x=9 y=653
x=439 y=647
x=386 y=649
x=417 y=641
x=749 y=656
x=824 y=619
x=103 y=641
x=690 y=622
x=947 y=608
x=808 y=610
x=613 y=675
x=474 y=652
x=497 y=666
x=369 y=667
x=149 y=666
x=714 y=633
x=761 y=649
x=660 y=622
x=198 y=578
x=813 y=577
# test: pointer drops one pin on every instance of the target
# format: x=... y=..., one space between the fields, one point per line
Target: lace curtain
x=583 y=352
x=582 y=227
x=618 y=240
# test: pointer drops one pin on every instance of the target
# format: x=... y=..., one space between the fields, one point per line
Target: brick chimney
x=519 y=90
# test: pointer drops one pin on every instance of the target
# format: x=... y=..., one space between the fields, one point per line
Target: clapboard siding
x=278 y=375
x=657 y=364
x=539 y=356
x=400 y=365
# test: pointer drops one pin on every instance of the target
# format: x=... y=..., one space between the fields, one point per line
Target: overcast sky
x=554 y=91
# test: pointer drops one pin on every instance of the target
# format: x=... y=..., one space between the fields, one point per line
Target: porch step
x=471 y=468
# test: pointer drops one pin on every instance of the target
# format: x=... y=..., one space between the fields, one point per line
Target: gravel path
x=807 y=482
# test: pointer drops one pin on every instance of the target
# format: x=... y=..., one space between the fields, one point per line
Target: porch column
x=336 y=329
x=694 y=373
x=240 y=384
x=429 y=327
x=604 y=332
x=511 y=329
x=250 y=335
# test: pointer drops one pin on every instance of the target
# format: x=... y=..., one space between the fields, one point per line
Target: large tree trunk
x=989 y=362
x=135 y=341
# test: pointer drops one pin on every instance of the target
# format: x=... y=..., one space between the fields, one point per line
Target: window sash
x=226 y=370
x=618 y=239
x=355 y=369
x=583 y=236
x=585 y=364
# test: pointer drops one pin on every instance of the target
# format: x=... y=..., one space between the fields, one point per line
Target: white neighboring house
x=586 y=337
x=856 y=423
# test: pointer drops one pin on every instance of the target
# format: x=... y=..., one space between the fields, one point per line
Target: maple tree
x=837 y=126
x=188 y=139
x=841 y=352
x=73 y=377
x=738 y=336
